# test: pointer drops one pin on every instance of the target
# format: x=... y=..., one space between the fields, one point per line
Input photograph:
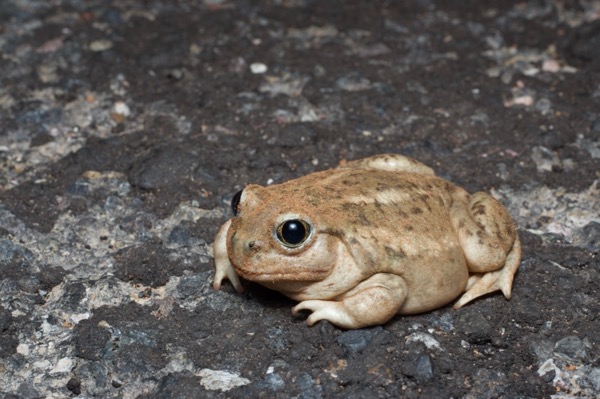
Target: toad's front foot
x=223 y=268
x=331 y=311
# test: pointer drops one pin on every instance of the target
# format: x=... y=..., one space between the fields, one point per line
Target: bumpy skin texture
x=385 y=236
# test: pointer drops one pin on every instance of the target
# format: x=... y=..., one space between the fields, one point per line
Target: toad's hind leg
x=483 y=283
x=490 y=243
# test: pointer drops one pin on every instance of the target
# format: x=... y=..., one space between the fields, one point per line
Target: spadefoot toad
x=367 y=240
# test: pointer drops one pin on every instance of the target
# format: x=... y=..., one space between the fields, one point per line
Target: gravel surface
x=126 y=126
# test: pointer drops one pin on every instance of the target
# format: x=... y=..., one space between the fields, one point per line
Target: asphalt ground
x=127 y=126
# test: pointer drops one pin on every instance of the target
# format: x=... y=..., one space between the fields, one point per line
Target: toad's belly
x=433 y=283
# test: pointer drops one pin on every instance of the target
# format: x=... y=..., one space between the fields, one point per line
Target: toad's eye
x=235 y=202
x=293 y=233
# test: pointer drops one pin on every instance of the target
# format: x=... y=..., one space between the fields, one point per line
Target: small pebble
x=258 y=68
x=119 y=112
x=550 y=66
x=100 y=45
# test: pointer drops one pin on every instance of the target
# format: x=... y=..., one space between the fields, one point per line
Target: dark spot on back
x=509 y=229
x=416 y=210
x=362 y=219
x=424 y=198
x=394 y=254
x=478 y=209
x=401 y=213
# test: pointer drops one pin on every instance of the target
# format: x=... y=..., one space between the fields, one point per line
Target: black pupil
x=293 y=232
x=235 y=202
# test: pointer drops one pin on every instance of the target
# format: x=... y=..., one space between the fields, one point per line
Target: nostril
x=253 y=245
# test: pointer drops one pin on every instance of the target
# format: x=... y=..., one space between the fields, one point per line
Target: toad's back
x=391 y=222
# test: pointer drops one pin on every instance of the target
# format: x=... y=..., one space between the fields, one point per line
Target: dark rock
x=5 y=319
x=29 y=284
x=93 y=376
x=74 y=385
x=549 y=376
x=180 y=385
x=190 y=286
x=354 y=341
x=75 y=292
x=90 y=340
x=8 y=333
x=27 y=390
x=15 y=261
x=40 y=139
x=542 y=350
x=589 y=236
x=273 y=382
x=475 y=327
x=445 y=321
x=180 y=235
x=586 y=42
x=80 y=187
x=308 y=388
x=418 y=366
x=277 y=339
x=50 y=276
x=554 y=140
x=572 y=346
x=594 y=378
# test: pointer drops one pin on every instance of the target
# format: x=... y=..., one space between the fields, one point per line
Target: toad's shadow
x=267 y=297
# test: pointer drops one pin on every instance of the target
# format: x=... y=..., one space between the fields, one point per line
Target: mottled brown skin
x=387 y=237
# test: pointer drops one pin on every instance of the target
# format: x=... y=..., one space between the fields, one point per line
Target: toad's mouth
x=262 y=276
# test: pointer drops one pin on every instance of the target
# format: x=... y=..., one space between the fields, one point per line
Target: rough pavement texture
x=126 y=126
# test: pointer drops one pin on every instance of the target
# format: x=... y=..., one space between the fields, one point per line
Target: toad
x=367 y=240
